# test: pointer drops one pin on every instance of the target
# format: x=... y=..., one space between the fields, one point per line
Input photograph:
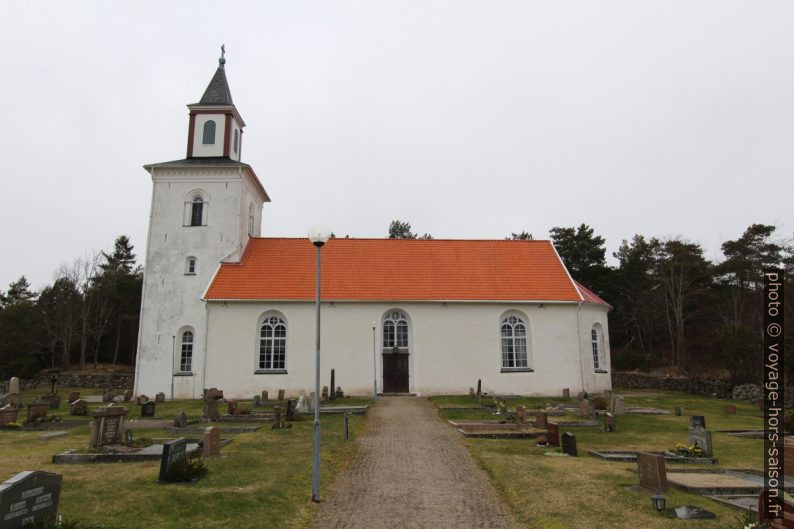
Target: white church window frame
x=395 y=330
x=598 y=348
x=515 y=343
x=208 y=133
x=272 y=333
x=196 y=208
x=191 y=266
x=186 y=351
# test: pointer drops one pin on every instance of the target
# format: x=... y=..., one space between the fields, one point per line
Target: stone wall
x=104 y=381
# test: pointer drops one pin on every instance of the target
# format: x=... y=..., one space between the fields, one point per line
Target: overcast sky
x=469 y=119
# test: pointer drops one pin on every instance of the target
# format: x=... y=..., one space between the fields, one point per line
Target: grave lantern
x=658 y=501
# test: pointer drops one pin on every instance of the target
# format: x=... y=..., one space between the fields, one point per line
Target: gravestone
x=107 y=426
x=311 y=401
x=180 y=419
x=501 y=408
x=679 y=411
x=28 y=498
x=479 y=386
x=472 y=394
x=78 y=407
x=521 y=413
x=128 y=395
x=609 y=423
x=256 y=400
x=585 y=409
x=566 y=393
x=553 y=435
x=212 y=442
x=333 y=384
x=697 y=420
x=618 y=406
x=147 y=409
x=569 y=444
x=160 y=397
x=290 y=409
x=173 y=452
x=53 y=384
x=324 y=394
x=231 y=407
x=37 y=410
x=278 y=419
x=264 y=395
x=730 y=409
x=73 y=396
x=107 y=395
x=581 y=396
x=211 y=398
x=52 y=400
x=653 y=475
x=607 y=393
x=702 y=438
x=8 y=414
x=541 y=420
x=281 y=394
x=13 y=385
x=303 y=406
x=140 y=399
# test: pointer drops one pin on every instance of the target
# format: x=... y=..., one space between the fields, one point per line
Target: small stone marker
x=653 y=475
x=324 y=394
x=37 y=411
x=140 y=399
x=697 y=420
x=180 y=419
x=278 y=419
x=264 y=395
x=212 y=442
x=13 y=385
x=302 y=406
x=566 y=393
x=281 y=393
x=701 y=437
x=8 y=414
x=333 y=384
x=231 y=407
x=347 y=426
x=147 y=409
x=541 y=420
x=472 y=394
x=618 y=406
x=173 y=452
x=679 y=411
x=107 y=426
x=553 y=434
x=521 y=413
x=160 y=397
x=256 y=400
x=73 y=396
x=128 y=395
x=730 y=409
x=569 y=444
x=479 y=386
x=28 y=498
x=107 y=395
x=311 y=401
x=585 y=409
x=78 y=407
x=609 y=423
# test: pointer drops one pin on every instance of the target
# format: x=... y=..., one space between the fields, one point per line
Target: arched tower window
x=513 y=332
x=273 y=343
x=208 y=137
x=186 y=356
x=236 y=139
x=197 y=211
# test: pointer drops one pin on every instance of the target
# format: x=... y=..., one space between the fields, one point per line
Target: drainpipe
x=173 y=360
x=206 y=334
x=579 y=335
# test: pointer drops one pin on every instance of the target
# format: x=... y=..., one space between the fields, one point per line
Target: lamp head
x=319 y=234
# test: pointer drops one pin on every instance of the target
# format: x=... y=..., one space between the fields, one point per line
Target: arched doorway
x=395 y=352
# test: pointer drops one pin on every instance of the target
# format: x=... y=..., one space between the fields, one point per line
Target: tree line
x=88 y=315
x=674 y=308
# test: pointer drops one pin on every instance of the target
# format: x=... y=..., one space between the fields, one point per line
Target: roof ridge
x=414 y=240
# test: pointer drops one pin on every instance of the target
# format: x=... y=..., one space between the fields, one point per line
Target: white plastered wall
x=213 y=149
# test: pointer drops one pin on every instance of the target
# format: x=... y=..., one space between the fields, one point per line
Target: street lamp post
x=318 y=235
x=374 y=361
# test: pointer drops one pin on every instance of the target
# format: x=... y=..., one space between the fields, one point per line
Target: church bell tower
x=204 y=210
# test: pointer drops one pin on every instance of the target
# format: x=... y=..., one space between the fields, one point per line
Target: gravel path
x=412 y=472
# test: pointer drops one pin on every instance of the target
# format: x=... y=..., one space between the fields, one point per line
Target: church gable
x=397 y=269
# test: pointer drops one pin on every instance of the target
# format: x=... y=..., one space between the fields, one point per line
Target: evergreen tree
x=523 y=236
x=583 y=253
x=400 y=230
x=17 y=315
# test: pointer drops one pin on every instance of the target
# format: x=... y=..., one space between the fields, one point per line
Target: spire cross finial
x=222 y=60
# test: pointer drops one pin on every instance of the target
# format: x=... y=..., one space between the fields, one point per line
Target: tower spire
x=222 y=60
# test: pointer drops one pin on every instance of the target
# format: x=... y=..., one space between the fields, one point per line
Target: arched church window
x=190 y=265
x=236 y=139
x=395 y=330
x=514 y=342
x=209 y=133
x=273 y=343
x=186 y=356
x=595 y=341
x=197 y=211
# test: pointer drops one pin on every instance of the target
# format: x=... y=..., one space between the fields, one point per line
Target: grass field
x=263 y=479
x=589 y=493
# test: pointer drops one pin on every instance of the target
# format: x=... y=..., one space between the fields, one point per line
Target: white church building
x=223 y=307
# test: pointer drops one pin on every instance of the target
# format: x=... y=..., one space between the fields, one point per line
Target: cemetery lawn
x=263 y=479
x=549 y=492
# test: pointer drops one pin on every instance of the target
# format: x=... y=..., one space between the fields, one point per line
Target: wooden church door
x=395 y=353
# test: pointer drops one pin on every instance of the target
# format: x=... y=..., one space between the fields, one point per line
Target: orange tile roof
x=588 y=296
x=396 y=269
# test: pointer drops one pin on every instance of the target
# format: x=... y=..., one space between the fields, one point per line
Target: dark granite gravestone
x=37 y=411
x=569 y=444
x=566 y=393
x=107 y=426
x=697 y=420
x=479 y=386
x=212 y=442
x=333 y=385
x=553 y=436
x=78 y=407
x=653 y=475
x=290 y=409
x=147 y=409
x=8 y=414
x=160 y=397
x=173 y=451
x=609 y=423
x=701 y=437
x=28 y=498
